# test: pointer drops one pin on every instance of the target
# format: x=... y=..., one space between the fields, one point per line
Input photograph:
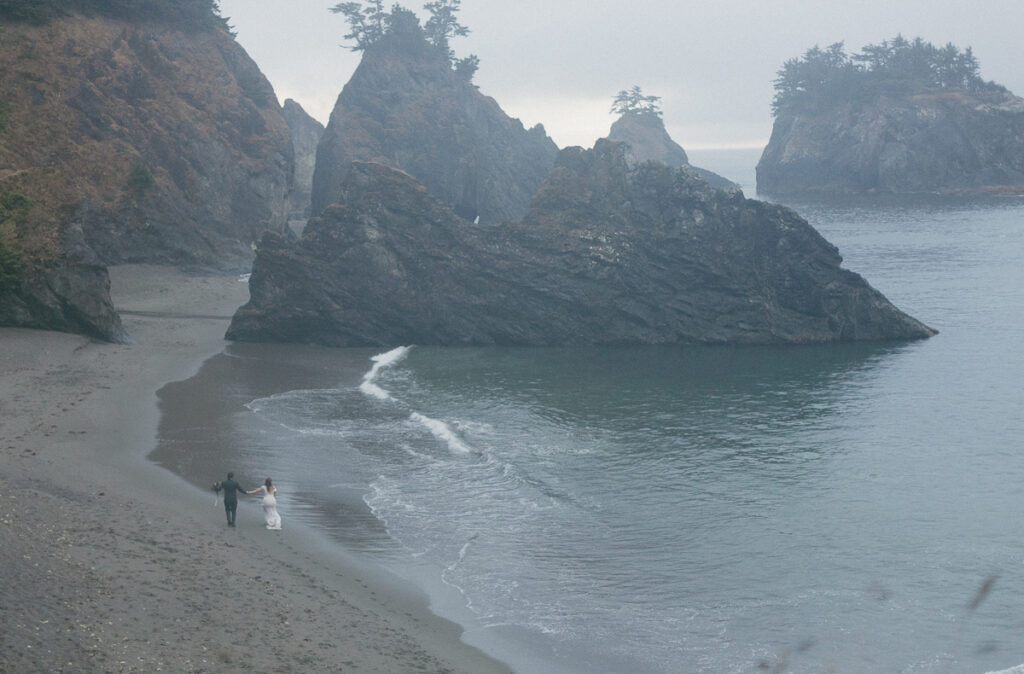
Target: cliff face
x=306 y=134
x=406 y=107
x=123 y=142
x=924 y=143
x=611 y=252
x=647 y=136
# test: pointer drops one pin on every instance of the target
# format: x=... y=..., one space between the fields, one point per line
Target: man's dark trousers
x=230 y=507
x=231 y=489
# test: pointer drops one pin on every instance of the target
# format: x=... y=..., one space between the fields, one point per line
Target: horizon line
x=725 y=146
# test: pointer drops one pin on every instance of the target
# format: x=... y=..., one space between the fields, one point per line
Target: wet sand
x=113 y=564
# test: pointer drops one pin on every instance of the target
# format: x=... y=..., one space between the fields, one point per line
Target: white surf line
x=442 y=431
x=448 y=570
x=380 y=361
x=462 y=553
x=439 y=429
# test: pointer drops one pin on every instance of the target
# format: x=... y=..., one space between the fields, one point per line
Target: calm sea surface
x=846 y=508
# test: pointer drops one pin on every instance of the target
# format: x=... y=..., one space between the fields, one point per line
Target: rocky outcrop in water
x=306 y=134
x=930 y=142
x=611 y=252
x=645 y=132
x=129 y=141
x=406 y=107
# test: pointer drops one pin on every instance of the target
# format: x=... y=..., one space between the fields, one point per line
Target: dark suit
x=231 y=489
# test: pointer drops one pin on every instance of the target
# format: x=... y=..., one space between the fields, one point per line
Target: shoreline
x=114 y=563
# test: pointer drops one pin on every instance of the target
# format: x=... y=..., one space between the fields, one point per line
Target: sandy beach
x=113 y=564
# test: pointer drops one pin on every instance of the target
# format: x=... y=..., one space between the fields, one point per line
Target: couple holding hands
x=231 y=489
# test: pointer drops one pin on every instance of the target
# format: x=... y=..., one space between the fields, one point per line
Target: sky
x=561 y=62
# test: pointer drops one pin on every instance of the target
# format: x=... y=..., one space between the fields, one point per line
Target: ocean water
x=840 y=508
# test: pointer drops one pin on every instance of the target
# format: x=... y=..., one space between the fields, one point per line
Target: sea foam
x=443 y=432
x=380 y=361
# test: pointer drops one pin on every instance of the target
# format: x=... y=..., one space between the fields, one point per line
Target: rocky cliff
x=129 y=141
x=645 y=132
x=930 y=142
x=405 y=106
x=306 y=134
x=611 y=252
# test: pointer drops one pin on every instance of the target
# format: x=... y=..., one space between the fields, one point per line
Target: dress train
x=270 y=513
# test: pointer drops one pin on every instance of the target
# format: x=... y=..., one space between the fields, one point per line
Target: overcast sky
x=560 y=62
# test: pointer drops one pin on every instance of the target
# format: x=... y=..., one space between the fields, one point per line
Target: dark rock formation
x=71 y=297
x=611 y=252
x=933 y=142
x=645 y=132
x=306 y=134
x=130 y=141
x=406 y=107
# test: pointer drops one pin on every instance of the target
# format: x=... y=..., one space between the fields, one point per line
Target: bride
x=269 y=492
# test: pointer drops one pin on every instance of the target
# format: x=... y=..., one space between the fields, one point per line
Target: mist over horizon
x=560 y=64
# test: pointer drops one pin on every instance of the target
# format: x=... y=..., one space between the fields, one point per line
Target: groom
x=231 y=489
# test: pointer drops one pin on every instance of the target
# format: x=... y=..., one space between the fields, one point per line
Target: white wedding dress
x=270 y=514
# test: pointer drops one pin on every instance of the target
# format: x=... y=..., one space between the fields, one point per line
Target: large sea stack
x=407 y=107
x=902 y=117
x=611 y=252
x=139 y=133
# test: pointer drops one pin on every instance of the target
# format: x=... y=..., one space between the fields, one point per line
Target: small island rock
x=900 y=117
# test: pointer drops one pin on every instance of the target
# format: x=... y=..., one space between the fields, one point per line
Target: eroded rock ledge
x=610 y=253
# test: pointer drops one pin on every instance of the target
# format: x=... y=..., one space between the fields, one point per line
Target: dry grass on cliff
x=108 y=116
